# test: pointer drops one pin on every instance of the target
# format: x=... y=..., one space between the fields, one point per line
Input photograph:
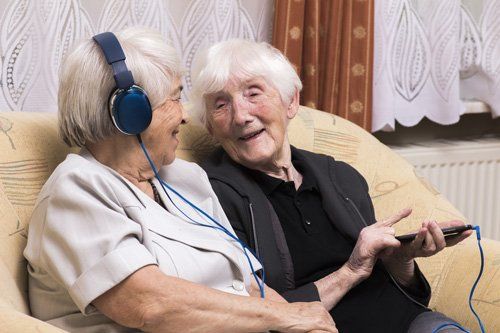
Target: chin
x=169 y=159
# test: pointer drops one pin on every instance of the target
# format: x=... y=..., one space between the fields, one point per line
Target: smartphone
x=451 y=231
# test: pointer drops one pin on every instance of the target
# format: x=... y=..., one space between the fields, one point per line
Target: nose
x=241 y=111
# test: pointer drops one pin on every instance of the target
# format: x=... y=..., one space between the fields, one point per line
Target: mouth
x=251 y=135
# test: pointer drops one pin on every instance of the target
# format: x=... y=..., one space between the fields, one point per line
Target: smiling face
x=161 y=135
x=250 y=119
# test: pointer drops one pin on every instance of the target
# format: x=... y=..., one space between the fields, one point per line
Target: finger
x=385 y=231
x=429 y=245
x=437 y=236
x=390 y=242
x=455 y=239
x=418 y=242
x=390 y=221
x=381 y=246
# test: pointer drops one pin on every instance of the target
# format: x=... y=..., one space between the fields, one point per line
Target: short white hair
x=86 y=82
x=239 y=59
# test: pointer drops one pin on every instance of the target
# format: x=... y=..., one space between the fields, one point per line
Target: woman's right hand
x=310 y=317
x=374 y=241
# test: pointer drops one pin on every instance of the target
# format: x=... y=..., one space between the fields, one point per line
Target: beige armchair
x=30 y=150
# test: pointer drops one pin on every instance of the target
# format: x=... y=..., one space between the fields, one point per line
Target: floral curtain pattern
x=35 y=36
x=480 y=58
x=331 y=45
x=429 y=55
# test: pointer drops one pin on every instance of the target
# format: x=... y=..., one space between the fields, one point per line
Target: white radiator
x=467 y=173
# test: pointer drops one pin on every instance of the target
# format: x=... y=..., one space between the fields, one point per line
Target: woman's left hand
x=430 y=240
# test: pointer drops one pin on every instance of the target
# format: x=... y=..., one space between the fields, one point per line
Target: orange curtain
x=330 y=42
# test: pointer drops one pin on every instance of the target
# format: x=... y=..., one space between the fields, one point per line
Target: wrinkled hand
x=430 y=240
x=310 y=317
x=374 y=241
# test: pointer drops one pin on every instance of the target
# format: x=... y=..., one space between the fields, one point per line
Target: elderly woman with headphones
x=124 y=237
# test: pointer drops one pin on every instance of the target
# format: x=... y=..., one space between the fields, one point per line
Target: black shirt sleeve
x=305 y=293
x=421 y=290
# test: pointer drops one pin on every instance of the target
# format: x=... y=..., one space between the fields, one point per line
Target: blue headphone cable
x=481 y=326
x=217 y=226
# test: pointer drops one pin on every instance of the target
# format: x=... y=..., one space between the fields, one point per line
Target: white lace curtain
x=36 y=34
x=431 y=54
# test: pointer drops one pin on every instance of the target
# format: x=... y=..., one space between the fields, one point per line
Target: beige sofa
x=30 y=150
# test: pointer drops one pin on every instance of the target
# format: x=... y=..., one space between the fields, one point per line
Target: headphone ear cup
x=130 y=110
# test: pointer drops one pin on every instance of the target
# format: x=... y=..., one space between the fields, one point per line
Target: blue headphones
x=129 y=105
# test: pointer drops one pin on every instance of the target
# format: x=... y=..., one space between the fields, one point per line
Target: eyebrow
x=254 y=80
x=249 y=82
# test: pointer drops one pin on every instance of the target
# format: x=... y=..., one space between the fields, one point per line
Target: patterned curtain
x=430 y=56
x=35 y=35
x=330 y=42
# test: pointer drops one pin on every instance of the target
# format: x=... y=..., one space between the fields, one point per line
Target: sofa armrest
x=394 y=185
x=453 y=282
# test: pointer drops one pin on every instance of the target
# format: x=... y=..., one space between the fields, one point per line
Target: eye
x=220 y=103
x=253 y=91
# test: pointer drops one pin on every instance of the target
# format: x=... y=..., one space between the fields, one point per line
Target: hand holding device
x=430 y=240
x=447 y=232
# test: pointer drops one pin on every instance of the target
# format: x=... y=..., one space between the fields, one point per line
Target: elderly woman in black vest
x=308 y=217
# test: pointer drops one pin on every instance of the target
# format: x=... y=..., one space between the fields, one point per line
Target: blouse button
x=238 y=285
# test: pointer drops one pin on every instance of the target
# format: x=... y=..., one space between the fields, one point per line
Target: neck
x=281 y=167
x=124 y=155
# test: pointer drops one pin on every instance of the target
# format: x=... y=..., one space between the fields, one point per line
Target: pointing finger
x=390 y=221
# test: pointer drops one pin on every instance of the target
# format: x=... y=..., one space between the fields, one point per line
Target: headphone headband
x=115 y=57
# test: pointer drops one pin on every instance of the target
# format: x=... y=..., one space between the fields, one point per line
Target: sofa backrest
x=30 y=150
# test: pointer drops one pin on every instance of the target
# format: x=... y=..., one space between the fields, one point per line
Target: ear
x=293 y=107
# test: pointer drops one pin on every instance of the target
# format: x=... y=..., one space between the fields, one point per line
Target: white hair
x=240 y=60
x=86 y=82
